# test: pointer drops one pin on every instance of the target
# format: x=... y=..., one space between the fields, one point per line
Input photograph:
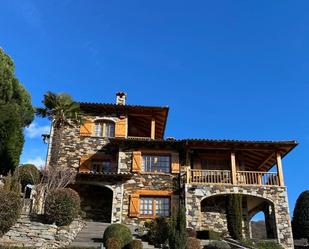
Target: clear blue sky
x=227 y=69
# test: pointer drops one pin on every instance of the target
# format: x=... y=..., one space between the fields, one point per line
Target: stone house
x=128 y=172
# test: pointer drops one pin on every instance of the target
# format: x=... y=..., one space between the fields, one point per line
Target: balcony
x=224 y=177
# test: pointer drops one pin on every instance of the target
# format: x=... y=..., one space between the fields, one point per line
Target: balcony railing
x=257 y=178
x=222 y=177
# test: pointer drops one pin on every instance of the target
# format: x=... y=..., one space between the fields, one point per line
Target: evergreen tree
x=178 y=234
x=300 y=221
x=16 y=112
x=234 y=216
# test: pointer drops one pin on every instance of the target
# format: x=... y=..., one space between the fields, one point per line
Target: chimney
x=121 y=98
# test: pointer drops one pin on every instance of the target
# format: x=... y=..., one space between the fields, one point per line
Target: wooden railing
x=222 y=177
x=197 y=176
x=257 y=178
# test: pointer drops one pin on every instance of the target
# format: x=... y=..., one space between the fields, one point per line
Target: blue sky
x=227 y=69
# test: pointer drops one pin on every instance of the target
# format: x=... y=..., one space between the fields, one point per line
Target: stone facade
x=276 y=195
x=35 y=234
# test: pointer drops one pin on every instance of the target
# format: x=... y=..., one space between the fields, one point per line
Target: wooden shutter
x=175 y=163
x=86 y=128
x=134 y=205
x=137 y=161
x=121 y=127
x=85 y=164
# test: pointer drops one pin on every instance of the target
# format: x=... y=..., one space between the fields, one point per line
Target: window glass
x=104 y=129
x=101 y=166
x=155 y=206
x=154 y=163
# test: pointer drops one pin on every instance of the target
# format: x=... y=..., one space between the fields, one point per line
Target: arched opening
x=213 y=215
x=257 y=227
x=96 y=201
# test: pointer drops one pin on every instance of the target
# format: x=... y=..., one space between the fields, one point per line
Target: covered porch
x=229 y=162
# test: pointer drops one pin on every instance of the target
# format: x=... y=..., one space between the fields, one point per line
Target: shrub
x=119 y=232
x=158 y=231
x=113 y=243
x=178 y=234
x=217 y=245
x=300 y=221
x=191 y=232
x=12 y=183
x=62 y=206
x=234 y=216
x=28 y=174
x=193 y=243
x=268 y=245
x=10 y=207
x=135 y=244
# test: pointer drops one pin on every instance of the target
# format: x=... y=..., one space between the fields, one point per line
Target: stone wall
x=276 y=195
x=35 y=234
x=214 y=221
x=149 y=182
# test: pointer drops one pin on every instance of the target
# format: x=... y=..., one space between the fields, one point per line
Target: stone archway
x=96 y=201
x=213 y=213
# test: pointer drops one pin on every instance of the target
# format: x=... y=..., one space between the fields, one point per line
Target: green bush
x=28 y=174
x=262 y=244
x=268 y=245
x=119 y=232
x=193 y=243
x=112 y=243
x=10 y=208
x=62 y=206
x=300 y=221
x=135 y=244
x=217 y=245
x=158 y=231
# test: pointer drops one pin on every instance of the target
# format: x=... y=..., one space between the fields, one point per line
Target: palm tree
x=62 y=111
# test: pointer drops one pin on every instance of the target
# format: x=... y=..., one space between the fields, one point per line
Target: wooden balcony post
x=153 y=128
x=233 y=168
x=279 y=170
x=188 y=174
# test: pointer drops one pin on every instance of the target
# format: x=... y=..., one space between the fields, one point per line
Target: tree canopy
x=300 y=222
x=16 y=112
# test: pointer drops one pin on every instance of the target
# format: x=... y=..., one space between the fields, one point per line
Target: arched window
x=104 y=128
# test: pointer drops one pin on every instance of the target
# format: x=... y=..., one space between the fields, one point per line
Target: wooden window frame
x=103 y=122
x=154 y=206
x=101 y=165
x=156 y=155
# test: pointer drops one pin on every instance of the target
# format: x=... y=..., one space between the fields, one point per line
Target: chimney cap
x=121 y=98
x=120 y=94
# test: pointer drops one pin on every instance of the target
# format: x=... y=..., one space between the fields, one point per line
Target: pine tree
x=300 y=221
x=16 y=112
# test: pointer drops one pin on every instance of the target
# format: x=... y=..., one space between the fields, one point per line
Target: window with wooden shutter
x=134 y=205
x=137 y=161
x=175 y=163
x=121 y=127
x=86 y=128
x=85 y=164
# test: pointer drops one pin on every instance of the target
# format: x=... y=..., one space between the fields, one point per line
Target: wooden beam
x=266 y=160
x=233 y=168
x=153 y=128
x=279 y=170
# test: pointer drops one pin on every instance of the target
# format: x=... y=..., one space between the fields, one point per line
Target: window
x=104 y=129
x=155 y=206
x=153 y=163
x=101 y=166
